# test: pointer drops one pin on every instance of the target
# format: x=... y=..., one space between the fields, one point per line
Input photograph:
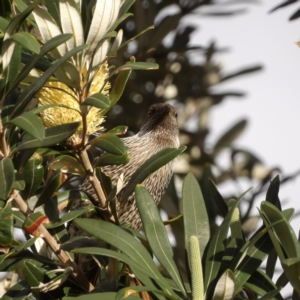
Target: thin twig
x=55 y=247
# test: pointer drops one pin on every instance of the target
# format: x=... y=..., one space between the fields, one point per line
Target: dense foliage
x=66 y=65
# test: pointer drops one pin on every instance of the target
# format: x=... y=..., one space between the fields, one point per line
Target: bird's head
x=162 y=119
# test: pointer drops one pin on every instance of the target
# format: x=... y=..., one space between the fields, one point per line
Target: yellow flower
x=55 y=92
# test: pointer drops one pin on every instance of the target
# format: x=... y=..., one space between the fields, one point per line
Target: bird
x=159 y=131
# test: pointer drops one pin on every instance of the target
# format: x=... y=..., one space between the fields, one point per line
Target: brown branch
x=52 y=243
x=93 y=178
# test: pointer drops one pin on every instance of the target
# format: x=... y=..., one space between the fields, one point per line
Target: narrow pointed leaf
x=30 y=123
x=109 y=143
x=31 y=90
x=98 y=100
x=156 y=234
x=111 y=159
x=219 y=200
x=6 y=227
x=215 y=251
x=119 y=130
x=7 y=177
x=50 y=45
x=118 y=89
x=67 y=164
x=50 y=188
x=134 y=66
x=152 y=164
x=195 y=217
x=124 y=241
x=53 y=135
x=26 y=40
x=33 y=173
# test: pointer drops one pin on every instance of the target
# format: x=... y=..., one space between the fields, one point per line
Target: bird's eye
x=175 y=114
x=150 y=113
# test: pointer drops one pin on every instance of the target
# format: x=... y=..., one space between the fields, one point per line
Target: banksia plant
x=58 y=83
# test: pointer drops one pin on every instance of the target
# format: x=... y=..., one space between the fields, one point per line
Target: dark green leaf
x=261 y=284
x=109 y=143
x=117 y=89
x=156 y=233
x=7 y=177
x=50 y=188
x=220 y=202
x=215 y=251
x=48 y=46
x=27 y=41
x=98 y=100
x=152 y=164
x=31 y=90
x=19 y=183
x=195 y=217
x=120 y=239
x=94 y=296
x=33 y=274
x=119 y=130
x=273 y=191
x=33 y=173
x=30 y=123
x=70 y=216
x=111 y=159
x=6 y=227
x=130 y=66
x=19 y=291
x=53 y=135
x=67 y=164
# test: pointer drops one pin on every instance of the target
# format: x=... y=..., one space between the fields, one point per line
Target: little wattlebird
x=159 y=131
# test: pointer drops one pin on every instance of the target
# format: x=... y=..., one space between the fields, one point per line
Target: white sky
x=257 y=37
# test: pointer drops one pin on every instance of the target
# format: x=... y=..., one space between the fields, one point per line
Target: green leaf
x=18 y=291
x=30 y=123
x=70 y=216
x=98 y=100
x=156 y=234
x=48 y=46
x=220 y=203
x=19 y=183
x=284 y=237
x=67 y=164
x=7 y=177
x=117 y=89
x=119 y=130
x=31 y=90
x=273 y=191
x=152 y=164
x=195 y=217
x=34 y=275
x=53 y=135
x=109 y=143
x=52 y=185
x=124 y=241
x=26 y=40
x=111 y=159
x=33 y=173
x=215 y=250
x=261 y=284
x=131 y=66
x=12 y=70
x=94 y=296
x=6 y=227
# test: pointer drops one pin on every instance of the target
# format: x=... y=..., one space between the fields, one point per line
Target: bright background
x=272 y=104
